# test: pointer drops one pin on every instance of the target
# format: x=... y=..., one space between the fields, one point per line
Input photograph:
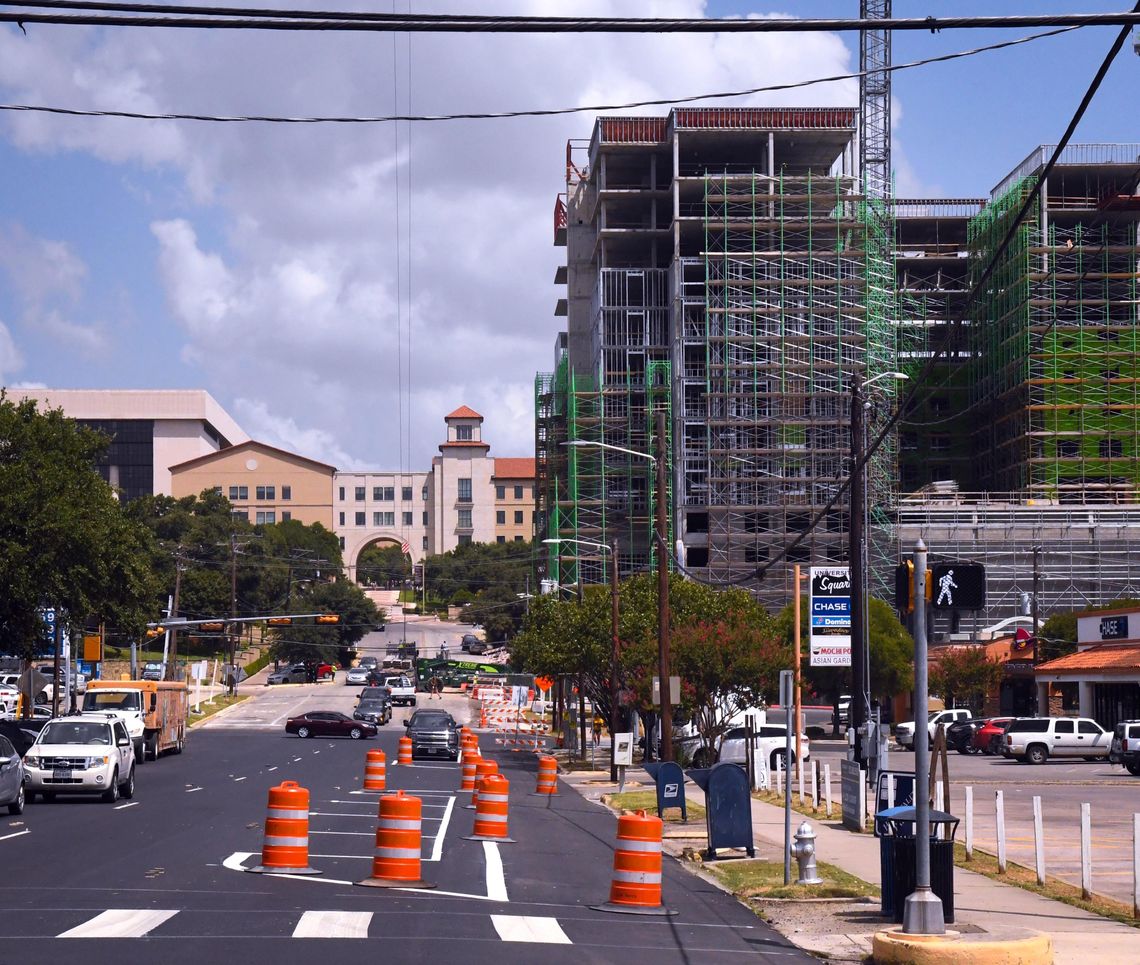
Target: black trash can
x=895 y=828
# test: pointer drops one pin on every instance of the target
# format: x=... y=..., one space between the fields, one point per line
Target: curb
x=1012 y=946
x=220 y=713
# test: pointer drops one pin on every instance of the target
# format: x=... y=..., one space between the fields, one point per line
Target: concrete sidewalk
x=843 y=931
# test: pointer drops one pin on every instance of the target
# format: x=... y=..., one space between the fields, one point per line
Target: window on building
x=533 y=517
x=464 y=486
x=424 y=494
x=238 y=492
x=266 y=492
x=360 y=517
x=286 y=493
x=500 y=492
x=389 y=519
x=463 y=433
x=342 y=493
x=939 y=443
x=407 y=519
x=518 y=539
x=406 y=493
x=342 y=538
x=342 y=519
x=518 y=492
x=500 y=539
x=377 y=493
x=240 y=514
x=425 y=517
x=425 y=542
x=360 y=491
x=376 y=519
x=286 y=516
x=265 y=517
x=464 y=519
x=533 y=492
x=1111 y=448
x=218 y=490
x=501 y=517
x=518 y=517
x=465 y=539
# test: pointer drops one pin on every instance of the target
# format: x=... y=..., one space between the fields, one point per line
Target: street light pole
x=614 y=653
x=663 y=592
x=858 y=498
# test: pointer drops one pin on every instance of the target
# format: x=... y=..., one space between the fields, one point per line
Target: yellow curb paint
x=1014 y=946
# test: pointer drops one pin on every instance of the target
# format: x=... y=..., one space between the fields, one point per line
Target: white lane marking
x=437 y=851
x=236 y=779
x=340 y=814
x=333 y=924
x=15 y=834
x=191 y=790
x=496 y=880
x=236 y=861
x=529 y=928
x=361 y=857
x=273 y=768
x=119 y=923
x=121 y=806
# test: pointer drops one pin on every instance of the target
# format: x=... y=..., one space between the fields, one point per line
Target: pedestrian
x=598 y=725
x=435 y=686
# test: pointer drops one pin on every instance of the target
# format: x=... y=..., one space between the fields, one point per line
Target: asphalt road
x=166 y=868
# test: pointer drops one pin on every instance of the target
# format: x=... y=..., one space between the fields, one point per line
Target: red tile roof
x=509 y=468
x=1104 y=658
x=463 y=412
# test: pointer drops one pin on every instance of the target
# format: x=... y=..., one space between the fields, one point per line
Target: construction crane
x=875 y=102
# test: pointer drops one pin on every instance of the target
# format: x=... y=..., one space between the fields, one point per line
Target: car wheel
x=1037 y=754
x=150 y=749
x=111 y=795
x=356 y=733
x=127 y=790
x=1133 y=769
x=971 y=749
x=17 y=806
x=140 y=752
x=303 y=732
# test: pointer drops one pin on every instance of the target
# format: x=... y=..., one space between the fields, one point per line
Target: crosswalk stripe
x=530 y=928
x=333 y=924
x=119 y=923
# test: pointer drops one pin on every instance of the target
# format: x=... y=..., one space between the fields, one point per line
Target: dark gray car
x=434 y=733
x=11 y=778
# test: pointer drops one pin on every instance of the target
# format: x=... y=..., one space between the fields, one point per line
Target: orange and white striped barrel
x=547 y=776
x=483 y=769
x=405 y=757
x=636 y=884
x=375 y=770
x=286 y=846
x=492 y=810
x=470 y=763
x=399 y=839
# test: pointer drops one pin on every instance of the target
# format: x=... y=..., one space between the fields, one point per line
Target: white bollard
x=890 y=790
x=1136 y=865
x=814 y=786
x=1038 y=841
x=999 y=814
x=827 y=788
x=800 y=776
x=969 y=822
x=1086 y=851
x=779 y=777
x=939 y=796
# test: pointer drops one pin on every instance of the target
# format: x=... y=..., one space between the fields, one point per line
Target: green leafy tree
x=964 y=675
x=487 y=580
x=1059 y=633
x=64 y=539
x=334 y=642
x=383 y=564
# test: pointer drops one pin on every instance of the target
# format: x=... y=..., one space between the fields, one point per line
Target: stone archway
x=356 y=548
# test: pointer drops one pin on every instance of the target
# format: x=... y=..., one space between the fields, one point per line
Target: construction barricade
x=470 y=766
x=547 y=776
x=405 y=756
x=399 y=838
x=484 y=769
x=286 y=847
x=375 y=770
x=491 y=810
x=636 y=885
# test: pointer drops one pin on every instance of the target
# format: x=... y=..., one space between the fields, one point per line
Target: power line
x=544 y=112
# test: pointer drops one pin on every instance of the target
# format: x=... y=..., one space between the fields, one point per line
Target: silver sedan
x=357 y=677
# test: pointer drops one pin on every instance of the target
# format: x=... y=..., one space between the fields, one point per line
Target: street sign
x=674 y=690
x=830 y=616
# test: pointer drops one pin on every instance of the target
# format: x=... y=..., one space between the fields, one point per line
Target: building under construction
x=723 y=266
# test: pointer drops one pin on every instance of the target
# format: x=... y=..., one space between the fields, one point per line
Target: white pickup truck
x=402 y=689
x=904 y=732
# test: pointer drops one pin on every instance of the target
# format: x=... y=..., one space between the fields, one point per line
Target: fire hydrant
x=804 y=853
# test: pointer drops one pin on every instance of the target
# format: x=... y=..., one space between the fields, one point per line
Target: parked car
x=357 y=676
x=960 y=735
x=769 y=743
x=152 y=671
x=1036 y=739
x=369 y=662
x=11 y=778
x=376 y=707
x=990 y=737
x=434 y=733
x=904 y=732
x=328 y=723
x=472 y=644
x=85 y=754
x=1125 y=747
x=326 y=671
x=295 y=674
x=22 y=733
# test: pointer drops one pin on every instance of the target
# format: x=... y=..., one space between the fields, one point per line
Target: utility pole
x=855 y=562
x=171 y=671
x=230 y=638
x=614 y=655
x=1036 y=596
x=663 y=589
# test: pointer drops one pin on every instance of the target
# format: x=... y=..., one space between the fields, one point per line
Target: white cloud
x=295 y=268
x=11 y=360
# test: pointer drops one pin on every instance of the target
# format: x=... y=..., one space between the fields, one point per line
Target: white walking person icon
x=946 y=584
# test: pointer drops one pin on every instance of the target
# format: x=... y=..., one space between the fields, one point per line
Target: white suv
x=904 y=732
x=1036 y=739
x=86 y=754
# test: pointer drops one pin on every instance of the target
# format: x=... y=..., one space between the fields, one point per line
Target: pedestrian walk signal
x=959 y=586
x=904 y=587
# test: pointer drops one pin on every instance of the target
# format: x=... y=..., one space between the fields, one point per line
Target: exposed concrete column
x=1042 y=698
x=1085 y=698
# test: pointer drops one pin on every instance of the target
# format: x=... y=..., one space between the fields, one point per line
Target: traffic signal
x=280 y=621
x=155 y=631
x=216 y=626
x=904 y=587
x=328 y=618
x=958 y=586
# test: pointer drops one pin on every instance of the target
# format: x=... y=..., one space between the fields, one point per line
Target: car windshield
x=75 y=732
x=430 y=720
x=112 y=700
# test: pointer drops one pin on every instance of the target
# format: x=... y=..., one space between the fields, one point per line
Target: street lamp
x=857 y=560
x=662 y=535
x=611 y=548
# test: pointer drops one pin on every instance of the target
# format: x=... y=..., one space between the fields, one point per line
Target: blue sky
x=266 y=264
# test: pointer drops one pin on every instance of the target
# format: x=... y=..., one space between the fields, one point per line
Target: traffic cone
x=636 y=885
x=285 y=850
x=491 y=811
x=375 y=770
x=399 y=840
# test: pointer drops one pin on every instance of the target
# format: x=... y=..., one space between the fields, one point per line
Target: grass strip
x=647 y=801
x=220 y=702
x=1023 y=877
x=765 y=879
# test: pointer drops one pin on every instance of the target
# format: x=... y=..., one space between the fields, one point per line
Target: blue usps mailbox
x=728 y=807
x=670 y=781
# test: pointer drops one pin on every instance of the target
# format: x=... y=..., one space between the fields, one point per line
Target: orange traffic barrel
x=636 y=885
x=286 y=846
x=405 y=757
x=483 y=769
x=491 y=811
x=482 y=716
x=470 y=763
x=396 y=863
x=375 y=770
x=547 y=776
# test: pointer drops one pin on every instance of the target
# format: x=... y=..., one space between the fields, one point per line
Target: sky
x=340 y=288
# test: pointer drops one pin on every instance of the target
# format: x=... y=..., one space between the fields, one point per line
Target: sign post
x=787 y=685
x=830 y=610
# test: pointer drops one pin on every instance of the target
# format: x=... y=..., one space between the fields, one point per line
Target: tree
x=964 y=675
x=487 y=580
x=1058 y=635
x=64 y=539
x=383 y=565
x=328 y=643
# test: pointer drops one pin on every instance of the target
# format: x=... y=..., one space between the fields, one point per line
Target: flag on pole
x=405 y=547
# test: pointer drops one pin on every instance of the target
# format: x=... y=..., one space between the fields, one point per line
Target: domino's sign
x=830 y=616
